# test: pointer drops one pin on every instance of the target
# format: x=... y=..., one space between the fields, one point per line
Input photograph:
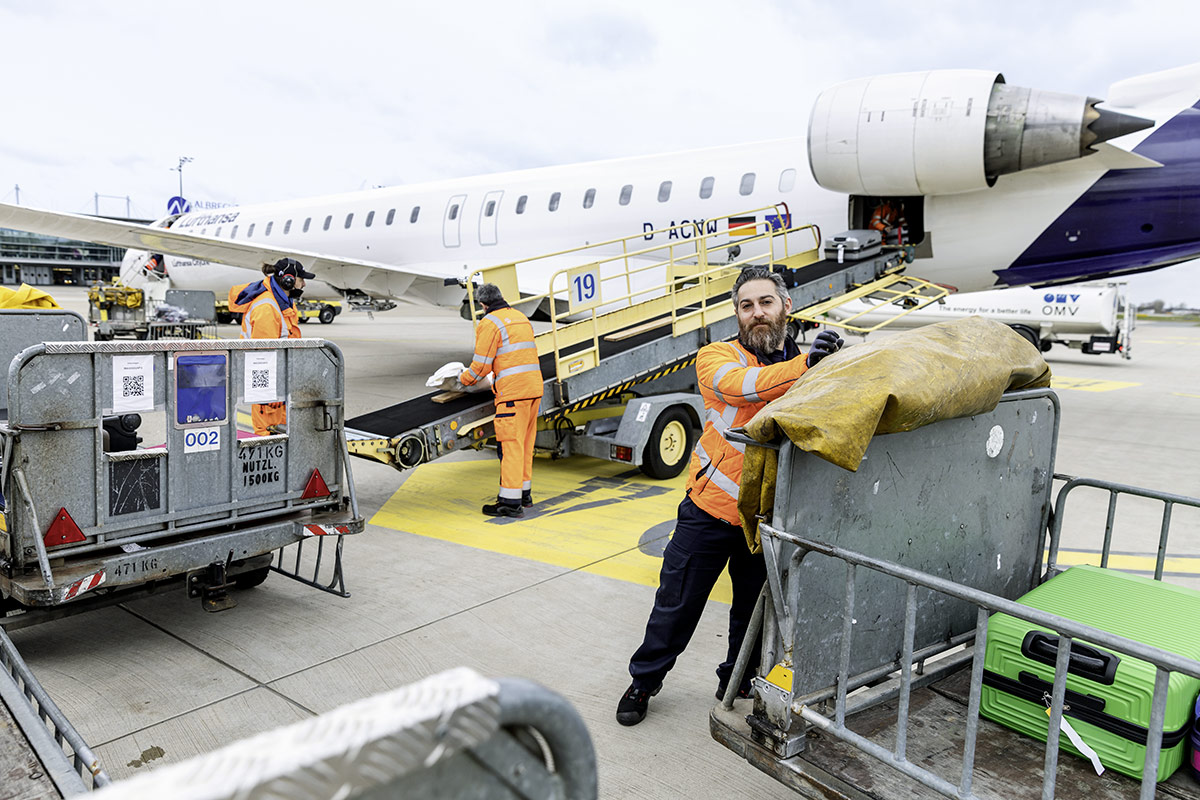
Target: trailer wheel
x=1029 y=335
x=248 y=580
x=671 y=442
x=302 y=320
x=326 y=315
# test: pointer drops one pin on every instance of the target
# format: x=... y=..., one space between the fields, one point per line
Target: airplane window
x=626 y=194
x=787 y=180
x=233 y=233
x=250 y=231
x=287 y=227
x=416 y=212
x=370 y=218
x=454 y=211
x=747 y=183
x=664 y=191
x=218 y=233
x=589 y=197
x=554 y=198
x=706 y=187
x=349 y=219
x=491 y=208
x=521 y=201
x=307 y=222
x=204 y=232
x=328 y=220
x=391 y=216
x=270 y=225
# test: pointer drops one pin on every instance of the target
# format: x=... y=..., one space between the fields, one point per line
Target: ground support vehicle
x=874 y=618
x=118 y=310
x=1094 y=318
x=323 y=310
x=625 y=321
x=42 y=756
x=85 y=524
x=455 y=734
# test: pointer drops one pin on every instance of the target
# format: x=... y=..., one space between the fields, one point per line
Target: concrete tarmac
x=158 y=680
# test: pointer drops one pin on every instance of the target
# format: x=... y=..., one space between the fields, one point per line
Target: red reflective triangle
x=63 y=530
x=316 y=486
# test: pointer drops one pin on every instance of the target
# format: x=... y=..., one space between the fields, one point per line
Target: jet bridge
x=616 y=330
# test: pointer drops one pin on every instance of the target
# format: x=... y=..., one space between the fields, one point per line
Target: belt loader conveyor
x=650 y=310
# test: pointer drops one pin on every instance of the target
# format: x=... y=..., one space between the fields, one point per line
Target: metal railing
x=622 y=287
x=69 y=762
x=805 y=707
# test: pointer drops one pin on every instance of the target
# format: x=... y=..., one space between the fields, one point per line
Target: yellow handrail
x=676 y=280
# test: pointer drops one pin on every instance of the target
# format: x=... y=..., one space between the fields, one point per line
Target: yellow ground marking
x=1185 y=394
x=586 y=517
x=1178 y=565
x=1088 y=384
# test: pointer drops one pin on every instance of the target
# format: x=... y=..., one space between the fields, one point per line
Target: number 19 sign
x=583 y=287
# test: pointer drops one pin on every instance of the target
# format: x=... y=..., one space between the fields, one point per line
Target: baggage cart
x=876 y=617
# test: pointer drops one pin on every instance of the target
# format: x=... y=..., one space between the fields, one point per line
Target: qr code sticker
x=260 y=379
x=133 y=385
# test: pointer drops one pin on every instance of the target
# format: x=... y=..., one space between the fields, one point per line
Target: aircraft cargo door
x=452 y=222
x=489 y=214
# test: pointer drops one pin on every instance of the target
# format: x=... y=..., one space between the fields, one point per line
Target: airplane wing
x=422 y=282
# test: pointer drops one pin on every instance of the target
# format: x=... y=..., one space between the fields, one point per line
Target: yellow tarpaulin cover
x=899 y=383
x=25 y=296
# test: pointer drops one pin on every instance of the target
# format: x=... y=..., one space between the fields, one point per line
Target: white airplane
x=1002 y=186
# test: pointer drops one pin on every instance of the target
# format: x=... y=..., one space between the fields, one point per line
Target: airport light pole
x=182 y=160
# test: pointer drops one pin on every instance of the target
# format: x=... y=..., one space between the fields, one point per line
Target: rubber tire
x=326 y=316
x=248 y=580
x=666 y=431
x=1029 y=335
x=302 y=320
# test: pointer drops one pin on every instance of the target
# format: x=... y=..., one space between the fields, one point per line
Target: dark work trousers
x=692 y=562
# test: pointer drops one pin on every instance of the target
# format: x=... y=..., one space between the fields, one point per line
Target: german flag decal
x=742 y=226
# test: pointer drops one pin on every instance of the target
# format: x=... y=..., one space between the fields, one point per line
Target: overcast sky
x=277 y=100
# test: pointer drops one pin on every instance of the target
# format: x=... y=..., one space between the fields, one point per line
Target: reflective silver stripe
x=482 y=359
x=741 y=357
x=471 y=372
x=722 y=482
x=504 y=373
x=526 y=486
x=703 y=456
x=510 y=494
x=721 y=424
x=499 y=323
x=750 y=385
x=508 y=348
x=284 y=333
x=721 y=372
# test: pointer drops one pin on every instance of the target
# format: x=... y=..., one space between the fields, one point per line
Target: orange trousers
x=263 y=415
x=516 y=427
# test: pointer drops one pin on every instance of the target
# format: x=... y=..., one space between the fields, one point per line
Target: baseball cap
x=290 y=266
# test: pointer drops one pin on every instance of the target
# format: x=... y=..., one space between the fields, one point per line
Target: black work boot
x=744 y=691
x=527 y=498
x=632 y=707
x=502 y=509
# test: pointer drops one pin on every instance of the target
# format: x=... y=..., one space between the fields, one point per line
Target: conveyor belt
x=394 y=420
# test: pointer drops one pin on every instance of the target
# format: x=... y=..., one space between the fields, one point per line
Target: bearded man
x=736 y=380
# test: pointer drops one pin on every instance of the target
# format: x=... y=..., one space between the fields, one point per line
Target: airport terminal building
x=49 y=260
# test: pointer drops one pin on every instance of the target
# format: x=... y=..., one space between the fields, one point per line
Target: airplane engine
x=947 y=132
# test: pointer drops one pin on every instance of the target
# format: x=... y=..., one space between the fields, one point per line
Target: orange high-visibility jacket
x=262 y=318
x=734 y=386
x=504 y=346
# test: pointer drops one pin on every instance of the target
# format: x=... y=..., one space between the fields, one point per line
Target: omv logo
x=1051 y=297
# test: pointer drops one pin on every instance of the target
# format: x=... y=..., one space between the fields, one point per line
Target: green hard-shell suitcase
x=1109 y=694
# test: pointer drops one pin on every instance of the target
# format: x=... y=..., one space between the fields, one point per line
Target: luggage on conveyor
x=854 y=245
x=1109 y=694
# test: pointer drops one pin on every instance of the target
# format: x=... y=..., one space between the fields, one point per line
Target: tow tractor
x=617 y=329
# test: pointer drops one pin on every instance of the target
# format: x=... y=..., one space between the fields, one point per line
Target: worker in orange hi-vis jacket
x=736 y=380
x=504 y=347
x=268 y=312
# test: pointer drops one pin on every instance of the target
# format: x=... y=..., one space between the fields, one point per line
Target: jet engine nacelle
x=947 y=132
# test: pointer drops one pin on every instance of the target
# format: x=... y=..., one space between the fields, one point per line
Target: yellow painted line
x=1185 y=394
x=1088 y=384
x=586 y=516
x=1178 y=565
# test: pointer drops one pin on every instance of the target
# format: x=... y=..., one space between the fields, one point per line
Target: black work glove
x=827 y=342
